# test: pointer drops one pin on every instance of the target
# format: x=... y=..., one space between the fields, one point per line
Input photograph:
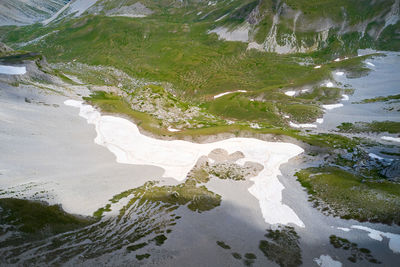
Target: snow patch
x=332 y=106
x=317 y=67
x=221 y=18
x=290 y=93
x=327 y=261
x=345 y=97
x=255 y=126
x=394 y=239
x=302 y=125
x=371 y=64
x=374 y=156
x=344 y=229
x=124 y=140
x=389 y=138
x=11 y=70
x=231 y=92
x=173 y=129
x=328 y=84
x=339 y=73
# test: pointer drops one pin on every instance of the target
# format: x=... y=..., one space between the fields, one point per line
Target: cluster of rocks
x=220 y=164
x=4 y=49
x=141 y=95
x=165 y=107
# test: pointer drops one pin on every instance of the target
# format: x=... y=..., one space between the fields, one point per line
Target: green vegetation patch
x=340 y=193
x=357 y=254
x=142 y=256
x=379 y=99
x=136 y=246
x=282 y=246
x=20 y=58
x=223 y=245
x=34 y=217
x=159 y=240
x=249 y=259
x=324 y=95
x=197 y=198
x=392 y=127
x=236 y=255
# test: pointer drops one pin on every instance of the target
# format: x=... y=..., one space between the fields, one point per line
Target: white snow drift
x=231 y=92
x=11 y=70
x=389 y=138
x=177 y=158
x=327 y=261
x=332 y=106
x=394 y=239
x=290 y=93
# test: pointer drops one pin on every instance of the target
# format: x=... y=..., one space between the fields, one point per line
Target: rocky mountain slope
x=286 y=26
x=281 y=26
x=20 y=12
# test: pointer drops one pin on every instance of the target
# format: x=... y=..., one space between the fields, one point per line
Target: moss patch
x=34 y=217
x=356 y=254
x=223 y=245
x=392 y=127
x=282 y=246
x=340 y=193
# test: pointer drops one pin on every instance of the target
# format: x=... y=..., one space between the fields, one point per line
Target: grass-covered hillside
x=170 y=42
x=198 y=65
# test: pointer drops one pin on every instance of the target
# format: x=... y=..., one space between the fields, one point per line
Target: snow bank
x=222 y=17
x=177 y=157
x=173 y=130
x=374 y=156
x=11 y=70
x=329 y=84
x=389 y=138
x=255 y=126
x=290 y=93
x=129 y=15
x=332 y=106
x=327 y=261
x=394 y=239
x=302 y=125
x=226 y=93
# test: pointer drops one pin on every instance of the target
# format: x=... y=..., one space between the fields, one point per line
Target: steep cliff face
x=288 y=26
x=23 y=12
x=281 y=26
